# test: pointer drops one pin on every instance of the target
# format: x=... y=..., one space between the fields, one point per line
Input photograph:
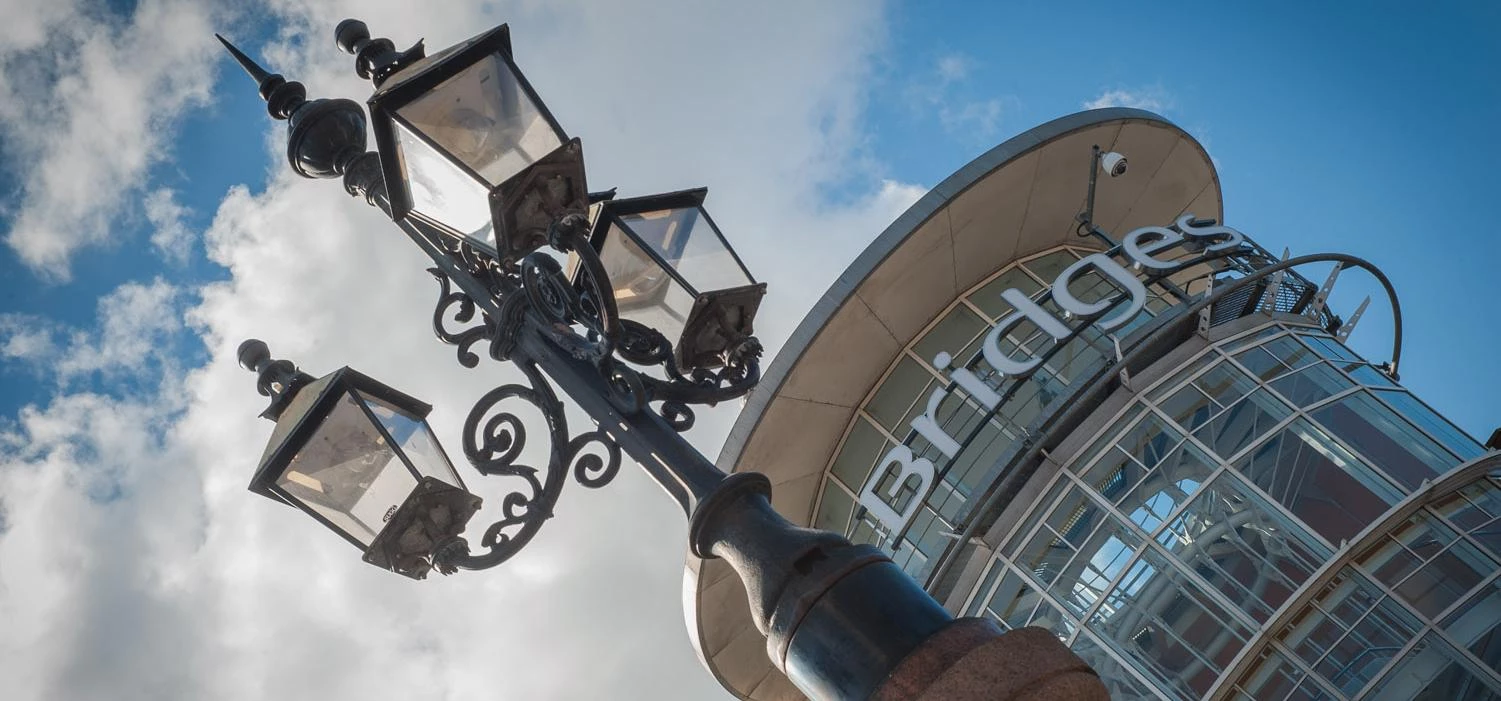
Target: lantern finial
x=277 y=379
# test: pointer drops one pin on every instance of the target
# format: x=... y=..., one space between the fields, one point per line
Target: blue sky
x=150 y=225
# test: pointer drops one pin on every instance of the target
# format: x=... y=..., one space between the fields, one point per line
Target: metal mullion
x=1130 y=666
x=989 y=591
x=1233 y=610
x=1158 y=384
x=1256 y=489
x=1398 y=656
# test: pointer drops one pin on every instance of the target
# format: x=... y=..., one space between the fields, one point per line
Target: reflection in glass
x=443 y=192
x=1242 y=548
x=1165 y=623
x=1388 y=440
x=644 y=290
x=484 y=118
x=1457 y=441
x=1431 y=671
x=1318 y=481
x=348 y=474
x=1477 y=625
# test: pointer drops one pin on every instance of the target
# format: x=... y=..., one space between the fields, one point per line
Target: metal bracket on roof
x=1269 y=297
x=1348 y=327
x=1204 y=314
x=1322 y=296
x=1125 y=373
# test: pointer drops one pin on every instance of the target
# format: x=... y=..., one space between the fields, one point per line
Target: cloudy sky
x=150 y=223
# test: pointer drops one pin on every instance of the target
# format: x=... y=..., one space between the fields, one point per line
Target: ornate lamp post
x=654 y=315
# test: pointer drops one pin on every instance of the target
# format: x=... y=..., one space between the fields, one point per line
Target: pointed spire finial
x=256 y=72
x=282 y=96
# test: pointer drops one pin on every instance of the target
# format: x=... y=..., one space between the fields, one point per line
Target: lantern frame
x=523 y=206
x=720 y=317
x=298 y=420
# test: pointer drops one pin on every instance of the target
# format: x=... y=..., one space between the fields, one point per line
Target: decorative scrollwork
x=590 y=469
x=463 y=312
x=495 y=439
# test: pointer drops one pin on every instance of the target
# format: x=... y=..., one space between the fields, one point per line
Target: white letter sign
x=877 y=506
x=1111 y=269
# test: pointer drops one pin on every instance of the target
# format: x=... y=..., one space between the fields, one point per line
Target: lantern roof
x=415 y=79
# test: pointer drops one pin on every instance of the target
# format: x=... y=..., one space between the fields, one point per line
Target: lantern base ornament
x=431 y=517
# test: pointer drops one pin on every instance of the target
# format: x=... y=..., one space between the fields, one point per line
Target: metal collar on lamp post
x=476 y=171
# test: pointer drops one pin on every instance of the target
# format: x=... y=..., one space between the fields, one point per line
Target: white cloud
x=132 y=337
x=137 y=566
x=1151 y=98
x=171 y=237
x=88 y=101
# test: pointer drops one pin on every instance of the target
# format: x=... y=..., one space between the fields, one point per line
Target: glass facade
x=1210 y=536
x=1167 y=552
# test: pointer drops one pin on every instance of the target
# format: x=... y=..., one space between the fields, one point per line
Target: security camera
x=1113 y=164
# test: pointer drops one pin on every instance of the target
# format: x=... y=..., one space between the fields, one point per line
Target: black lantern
x=672 y=270
x=465 y=143
x=360 y=458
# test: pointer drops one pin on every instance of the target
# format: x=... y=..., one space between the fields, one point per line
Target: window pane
x=1118 y=682
x=1242 y=547
x=1318 y=481
x=686 y=239
x=1477 y=625
x=1139 y=450
x=1454 y=439
x=1047 y=267
x=1292 y=353
x=348 y=474
x=415 y=438
x=1329 y=348
x=959 y=329
x=864 y=446
x=1165 y=622
x=834 y=511
x=1243 y=423
x=1431 y=670
x=1311 y=385
x=902 y=390
x=1014 y=601
x=1388 y=440
x=988 y=298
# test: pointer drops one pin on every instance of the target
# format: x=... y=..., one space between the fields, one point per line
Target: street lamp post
x=653 y=314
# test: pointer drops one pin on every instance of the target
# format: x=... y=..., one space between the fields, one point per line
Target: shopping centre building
x=1095 y=408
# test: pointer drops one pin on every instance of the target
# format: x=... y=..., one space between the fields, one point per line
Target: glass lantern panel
x=688 y=242
x=348 y=474
x=415 y=439
x=644 y=291
x=442 y=191
x=485 y=119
